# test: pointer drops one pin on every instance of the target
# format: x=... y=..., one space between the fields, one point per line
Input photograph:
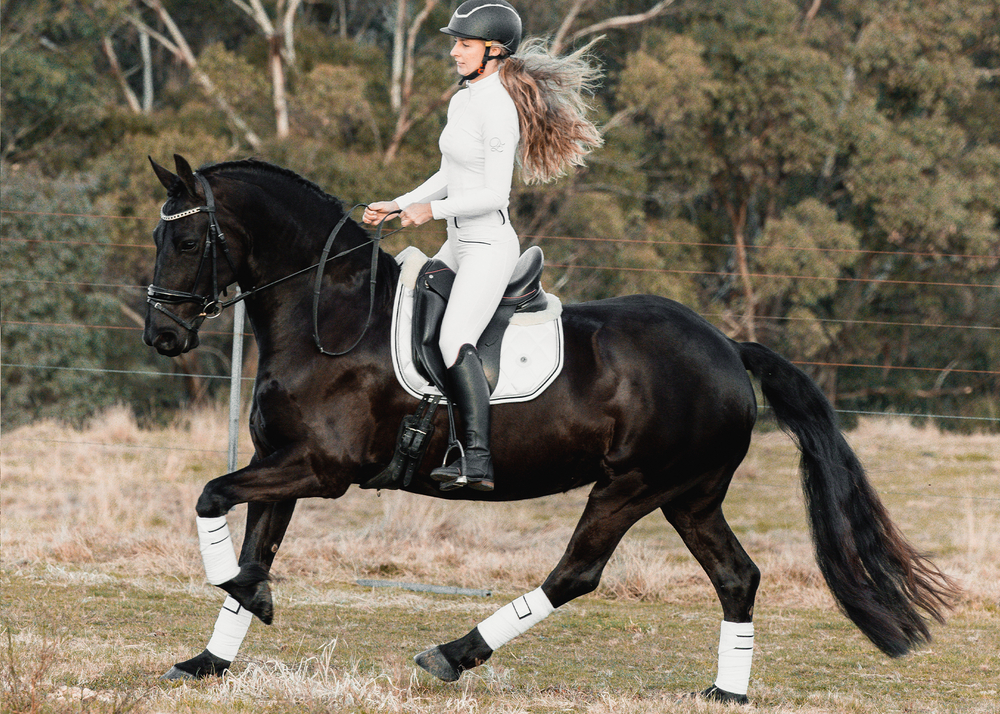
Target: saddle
x=432 y=289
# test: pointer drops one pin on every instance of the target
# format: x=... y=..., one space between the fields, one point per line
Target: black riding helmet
x=488 y=20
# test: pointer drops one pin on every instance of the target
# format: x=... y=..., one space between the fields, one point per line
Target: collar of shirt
x=485 y=83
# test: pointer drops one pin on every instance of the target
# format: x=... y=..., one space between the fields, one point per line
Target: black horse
x=653 y=408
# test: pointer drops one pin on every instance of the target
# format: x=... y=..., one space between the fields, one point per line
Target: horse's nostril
x=165 y=343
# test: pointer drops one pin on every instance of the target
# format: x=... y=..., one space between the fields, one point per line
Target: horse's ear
x=166 y=178
x=186 y=175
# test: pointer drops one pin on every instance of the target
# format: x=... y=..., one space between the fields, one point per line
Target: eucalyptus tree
x=839 y=145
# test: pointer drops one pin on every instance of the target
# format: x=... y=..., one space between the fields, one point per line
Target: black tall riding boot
x=469 y=391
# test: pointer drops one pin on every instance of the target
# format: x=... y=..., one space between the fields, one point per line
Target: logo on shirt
x=496 y=144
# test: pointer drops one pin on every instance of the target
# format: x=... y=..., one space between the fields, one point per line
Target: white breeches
x=483 y=258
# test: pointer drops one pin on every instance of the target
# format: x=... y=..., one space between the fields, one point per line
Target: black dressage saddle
x=433 y=287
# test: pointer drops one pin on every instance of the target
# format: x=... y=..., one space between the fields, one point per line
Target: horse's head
x=193 y=262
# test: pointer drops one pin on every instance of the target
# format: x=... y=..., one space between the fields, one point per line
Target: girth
x=433 y=287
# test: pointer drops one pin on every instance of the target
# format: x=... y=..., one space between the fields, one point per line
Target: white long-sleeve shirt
x=478 y=146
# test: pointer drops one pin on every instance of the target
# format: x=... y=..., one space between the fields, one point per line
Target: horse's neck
x=282 y=314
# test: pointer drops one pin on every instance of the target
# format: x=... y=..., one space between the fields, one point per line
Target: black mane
x=257 y=167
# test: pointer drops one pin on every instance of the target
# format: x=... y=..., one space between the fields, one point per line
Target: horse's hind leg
x=610 y=512
x=265 y=529
x=735 y=578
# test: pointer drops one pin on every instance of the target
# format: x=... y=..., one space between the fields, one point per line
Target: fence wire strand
x=532 y=238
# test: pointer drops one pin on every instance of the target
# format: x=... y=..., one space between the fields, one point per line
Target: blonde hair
x=548 y=93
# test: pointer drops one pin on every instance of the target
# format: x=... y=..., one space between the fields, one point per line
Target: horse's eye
x=187 y=245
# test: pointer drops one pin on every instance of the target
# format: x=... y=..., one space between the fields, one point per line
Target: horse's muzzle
x=169 y=339
x=171 y=344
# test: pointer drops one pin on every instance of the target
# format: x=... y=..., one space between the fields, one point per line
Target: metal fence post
x=235 y=384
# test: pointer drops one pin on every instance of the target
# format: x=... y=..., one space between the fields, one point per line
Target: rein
x=211 y=307
x=319 y=278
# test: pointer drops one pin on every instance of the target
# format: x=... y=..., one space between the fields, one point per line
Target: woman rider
x=522 y=107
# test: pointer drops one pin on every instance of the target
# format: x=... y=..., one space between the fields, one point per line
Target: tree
x=52 y=89
x=403 y=70
x=744 y=102
x=837 y=134
x=56 y=339
x=280 y=51
x=820 y=175
x=178 y=45
x=920 y=181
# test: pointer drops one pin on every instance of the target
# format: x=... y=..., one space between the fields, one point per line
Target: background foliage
x=819 y=175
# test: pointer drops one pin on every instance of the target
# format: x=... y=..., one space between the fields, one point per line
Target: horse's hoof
x=174 y=674
x=204 y=665
x=714 y=694
x=261 y=605
x=434 y=661
x=251 y=590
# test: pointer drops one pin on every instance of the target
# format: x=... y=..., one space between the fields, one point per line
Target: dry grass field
x=103 y=589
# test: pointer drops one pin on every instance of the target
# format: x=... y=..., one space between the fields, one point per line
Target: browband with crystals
x=182 y=214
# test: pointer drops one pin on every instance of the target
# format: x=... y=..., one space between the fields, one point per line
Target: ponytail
x=548 y=93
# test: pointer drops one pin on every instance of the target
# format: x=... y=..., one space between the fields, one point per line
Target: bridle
x=158 y=297
x=211 y=307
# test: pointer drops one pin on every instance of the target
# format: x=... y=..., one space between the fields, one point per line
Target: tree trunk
x=738 y=218
x=177 y=45
x=278 y=87
x=406 y=119
x=398 y=57
x=147 y=72
x=612 y=23
x=116 y=70
x=281 y=53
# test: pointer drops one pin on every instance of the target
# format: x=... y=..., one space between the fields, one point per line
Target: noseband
x=158 y=297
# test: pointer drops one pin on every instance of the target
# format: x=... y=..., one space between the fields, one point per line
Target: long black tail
x=878 y=579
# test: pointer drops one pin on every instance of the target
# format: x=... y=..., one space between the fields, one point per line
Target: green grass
x=101 y=591
x=118 y=638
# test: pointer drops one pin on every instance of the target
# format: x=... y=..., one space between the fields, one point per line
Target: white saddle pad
x=531 y=353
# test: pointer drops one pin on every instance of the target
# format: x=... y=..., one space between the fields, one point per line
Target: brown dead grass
x=111 y=505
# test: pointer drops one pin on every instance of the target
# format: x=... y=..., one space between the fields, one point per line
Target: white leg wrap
x=515 y=618
x=735 y=655
x=230 y=629
x=217 y=550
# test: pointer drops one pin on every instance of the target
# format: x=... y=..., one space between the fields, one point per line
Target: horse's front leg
x=287 y=474
x=265 y=529
x=283 y=476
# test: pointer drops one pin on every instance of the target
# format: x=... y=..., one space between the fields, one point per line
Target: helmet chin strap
x=482 y=67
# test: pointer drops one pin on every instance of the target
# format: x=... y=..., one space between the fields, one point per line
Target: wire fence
x=57 y=282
